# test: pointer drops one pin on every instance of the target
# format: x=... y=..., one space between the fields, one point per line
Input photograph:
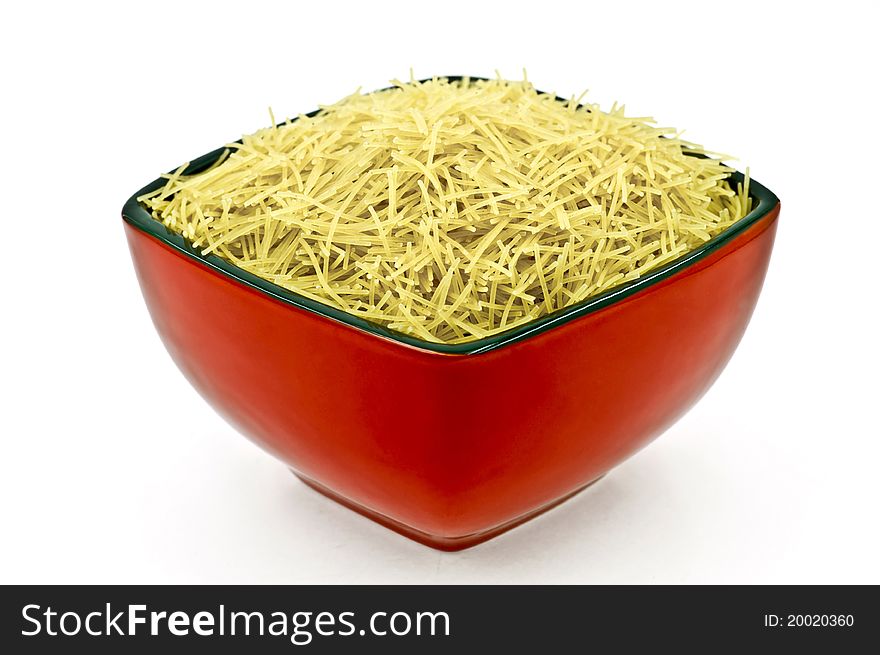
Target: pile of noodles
x=453 y=210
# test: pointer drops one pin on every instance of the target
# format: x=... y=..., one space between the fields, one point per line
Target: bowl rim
x=138 y=217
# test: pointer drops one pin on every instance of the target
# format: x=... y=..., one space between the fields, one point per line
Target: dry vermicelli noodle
x=453 y=210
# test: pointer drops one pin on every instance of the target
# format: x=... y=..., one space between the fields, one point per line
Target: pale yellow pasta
x=452 y=211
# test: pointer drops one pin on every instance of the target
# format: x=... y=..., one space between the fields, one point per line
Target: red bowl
x=452 y=445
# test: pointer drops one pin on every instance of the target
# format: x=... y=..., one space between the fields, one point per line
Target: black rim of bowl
x=136 y=215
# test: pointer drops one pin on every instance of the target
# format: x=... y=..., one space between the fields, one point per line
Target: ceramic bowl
x=451 y=445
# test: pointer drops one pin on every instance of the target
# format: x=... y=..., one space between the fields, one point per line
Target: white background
x=113 y=468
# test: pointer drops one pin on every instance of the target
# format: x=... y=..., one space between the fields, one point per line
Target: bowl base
x=437 y=541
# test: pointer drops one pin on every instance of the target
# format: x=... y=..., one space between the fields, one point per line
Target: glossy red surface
x=453 y=449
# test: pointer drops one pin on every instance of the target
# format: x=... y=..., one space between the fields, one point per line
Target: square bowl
x=452 y=445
